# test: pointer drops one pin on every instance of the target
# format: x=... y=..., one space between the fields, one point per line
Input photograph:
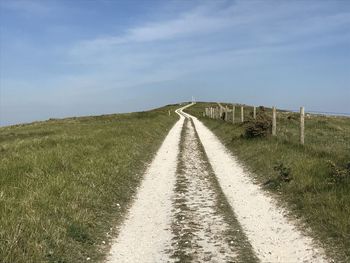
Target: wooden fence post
x=242 y=114
x=233 y=113
x=302 y=125
x=273 y=121
x=254 y=112
x=226 y=113
x=169 y=113
x=220 y=112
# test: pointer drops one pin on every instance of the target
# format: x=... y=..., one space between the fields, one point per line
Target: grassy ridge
x=65 y=183
x=311 y=194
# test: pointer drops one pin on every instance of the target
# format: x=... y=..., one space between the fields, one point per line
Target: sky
x=61 y=58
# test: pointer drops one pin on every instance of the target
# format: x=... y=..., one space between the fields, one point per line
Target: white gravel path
x=273 y=237
x=201 y=220
x=146 y=230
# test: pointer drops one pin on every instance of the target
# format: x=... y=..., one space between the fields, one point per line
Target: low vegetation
x=313 y=180
x=65 y=184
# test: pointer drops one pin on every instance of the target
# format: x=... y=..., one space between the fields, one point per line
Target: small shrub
x=283 y=176
x=283 y=172
x=338 y=174
x=259 y=127
x=292 y=117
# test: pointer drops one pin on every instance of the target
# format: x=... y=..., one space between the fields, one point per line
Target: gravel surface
x=200 y=231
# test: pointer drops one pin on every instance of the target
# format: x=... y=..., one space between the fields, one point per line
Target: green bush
x=338 y=174
x=259 y=127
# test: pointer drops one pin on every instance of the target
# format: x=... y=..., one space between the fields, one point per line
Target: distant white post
x=273 y=121
x=302 y=125
x=254 y=112
x=242 y=114
x=233 y=113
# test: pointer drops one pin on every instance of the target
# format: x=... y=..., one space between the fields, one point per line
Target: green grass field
x=65 y=184
x=314 y=194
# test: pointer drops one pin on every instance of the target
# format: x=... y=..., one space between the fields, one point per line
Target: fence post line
x=233 y=113
x=254 y=112
x=273 y=121
x=242 y=114
x=302 y=125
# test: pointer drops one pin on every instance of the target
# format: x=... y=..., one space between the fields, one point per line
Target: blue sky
x=85 y=57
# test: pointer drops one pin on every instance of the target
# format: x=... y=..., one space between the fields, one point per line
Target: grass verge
x=314 y=193
x=65 y=184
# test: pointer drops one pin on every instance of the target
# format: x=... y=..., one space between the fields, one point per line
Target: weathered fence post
x=169 y=113
x=302 y=125
x=226 y=113
x=254 y=112
x=274 y=121
x=242 y=114
x=233 y=113
x=220 y=112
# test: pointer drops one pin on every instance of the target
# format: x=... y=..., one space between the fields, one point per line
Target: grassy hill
x=318 y=185
x=65 y=184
